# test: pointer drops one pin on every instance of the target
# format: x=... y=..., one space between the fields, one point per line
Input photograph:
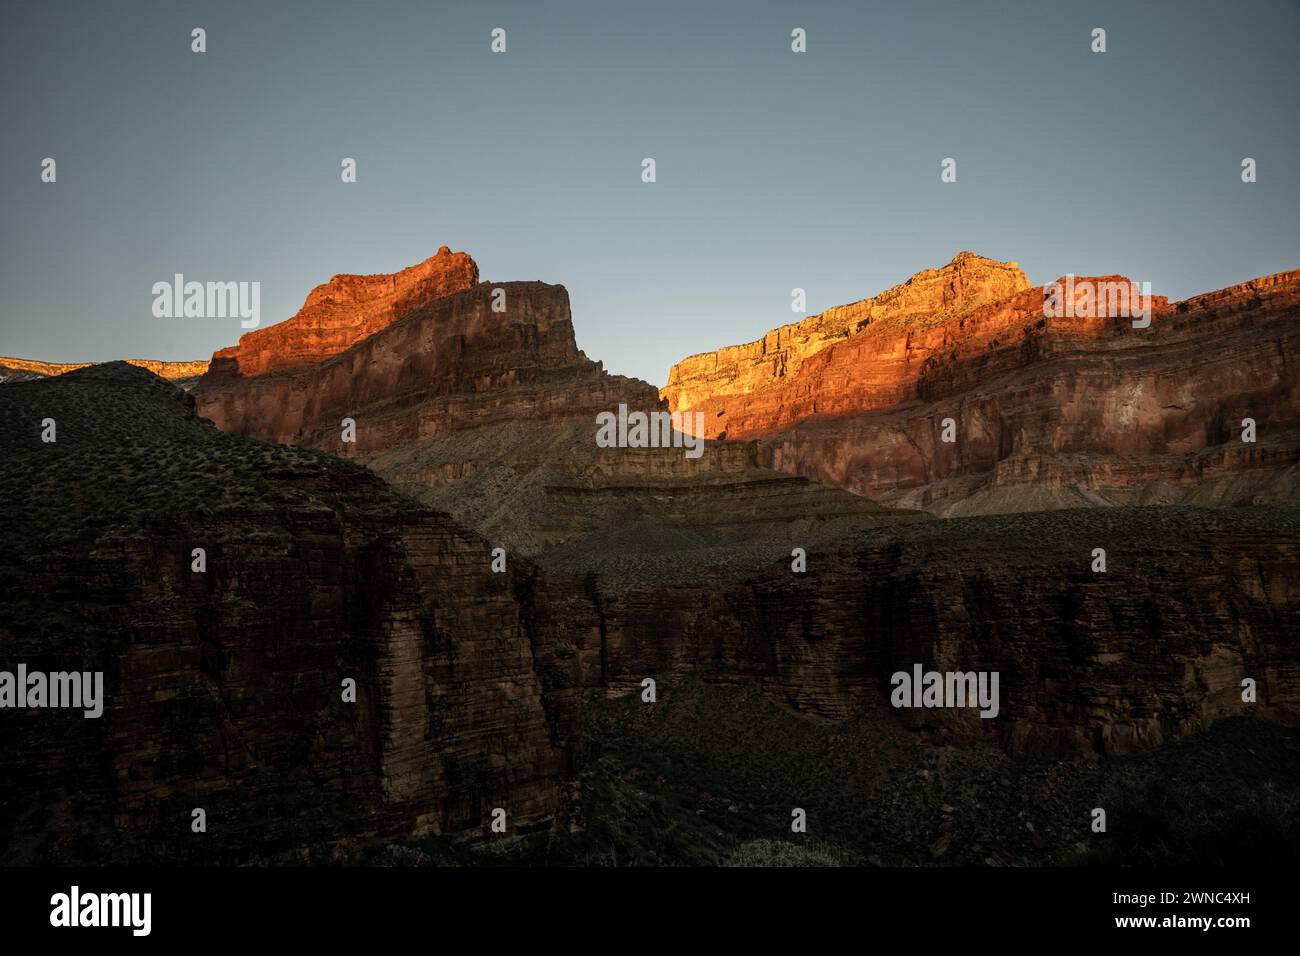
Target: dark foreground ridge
x=523 y=690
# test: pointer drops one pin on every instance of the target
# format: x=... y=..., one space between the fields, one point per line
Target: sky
x=775 y=170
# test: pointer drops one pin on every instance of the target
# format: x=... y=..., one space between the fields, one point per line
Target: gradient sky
x=775 y=170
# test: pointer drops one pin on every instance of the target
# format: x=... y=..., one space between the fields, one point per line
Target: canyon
x=825 y=539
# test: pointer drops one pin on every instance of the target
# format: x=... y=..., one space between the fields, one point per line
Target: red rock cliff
x=342 y=312
x=449 y=364
x=1049 y=412
x=22 y=370
x=929 y=296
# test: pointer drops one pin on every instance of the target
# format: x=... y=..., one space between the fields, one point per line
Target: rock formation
x=481 y=403
x=926 y=299
x=23 y=370
x=342 y=312
x=447 y=364
x=1048 y=412
x=1193 y=601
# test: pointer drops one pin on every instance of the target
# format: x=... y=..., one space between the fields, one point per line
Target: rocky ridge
x=23 y=370
x=1048 y=412
x=343 y=311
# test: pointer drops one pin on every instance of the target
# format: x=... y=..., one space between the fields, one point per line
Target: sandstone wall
x=966 y=282
x=450 y=365
x=11 y=368
x=1050 y=412
x=342 y=312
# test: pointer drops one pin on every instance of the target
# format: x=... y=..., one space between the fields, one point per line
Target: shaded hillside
x=224 y=688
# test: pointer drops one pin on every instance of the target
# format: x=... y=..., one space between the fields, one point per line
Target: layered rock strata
x=1046 y=411
x=225 y=686
x=1193 y=602
x=23 y=370
x=451 y=364
x=342 y=312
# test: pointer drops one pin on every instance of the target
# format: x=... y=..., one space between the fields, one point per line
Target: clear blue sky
x=775 y=170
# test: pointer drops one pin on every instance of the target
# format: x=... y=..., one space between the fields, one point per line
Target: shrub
x=780 y=853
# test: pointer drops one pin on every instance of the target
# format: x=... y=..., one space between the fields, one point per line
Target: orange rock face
x=342 y=312
x=1045 y=411
x=929 y=296
x=445 y=364
x=16 y=369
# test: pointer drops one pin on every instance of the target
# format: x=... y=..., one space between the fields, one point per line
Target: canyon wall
x=342 y=312
x=1193 y=602
x=225 y=686
x=22 y=370
x=450 y=364
x=1048 y=411
x=928 y=297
